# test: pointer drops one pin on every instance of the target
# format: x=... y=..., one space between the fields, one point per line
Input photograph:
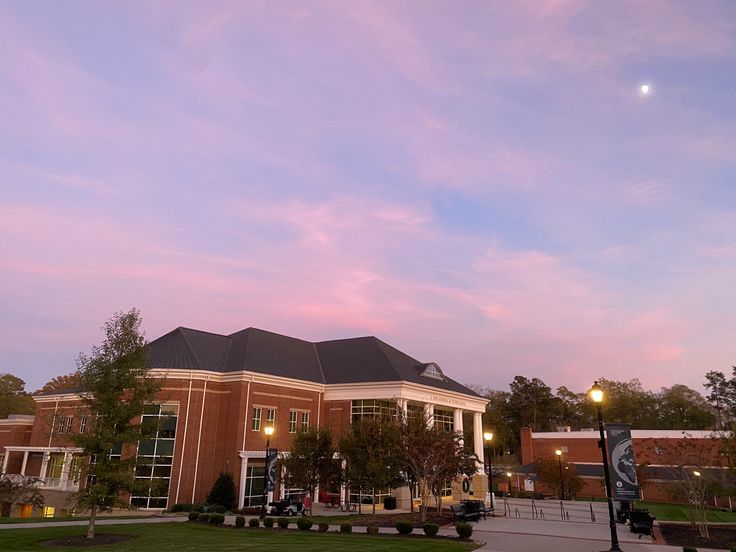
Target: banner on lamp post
x=273 y=455
x=624 y=485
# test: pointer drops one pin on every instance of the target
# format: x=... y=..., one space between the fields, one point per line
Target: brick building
x=220 y=391
x=663 y=451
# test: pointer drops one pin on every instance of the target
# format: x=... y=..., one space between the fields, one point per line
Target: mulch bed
x=389 y=520
x=82 y=540
x=721 y=536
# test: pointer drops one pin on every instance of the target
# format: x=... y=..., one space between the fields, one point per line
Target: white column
x=44 y=465
x=458 y=422
x=429 y=414
x=5 y=462
x=342 y=486
x=65 y=466
x=404 y=409
x=478 y=436
x=243 y=473
x=25 y=461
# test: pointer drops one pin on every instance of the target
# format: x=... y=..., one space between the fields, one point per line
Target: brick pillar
x=527 y=446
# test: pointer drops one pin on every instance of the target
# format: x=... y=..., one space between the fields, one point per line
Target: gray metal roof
x=355 y=360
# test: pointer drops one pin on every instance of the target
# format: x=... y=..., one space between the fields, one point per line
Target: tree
x=562 y=480
x=18 y=489
x=311 y=461
x=627 y=402
x=679 y=407
x=116 y=387
x=531 y=404
x=430 y=456
x=13 y=397
x=722 y=396
x=60 y=383
x=223 y=491
x=371 y=452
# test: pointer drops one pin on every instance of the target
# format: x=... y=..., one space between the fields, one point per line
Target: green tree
x=679 y=407
x=561 y=476
x=372 y=455
x=13 y=397
x=627 y=402
x=223 y=491
x=531 y=404
x=116 y=389
x=430 y=456
x=722 y=396
x=60 y=383
x=311 y=461
x=21 y=490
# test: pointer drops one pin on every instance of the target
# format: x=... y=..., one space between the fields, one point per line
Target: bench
x=641 y=522
x=469 y=510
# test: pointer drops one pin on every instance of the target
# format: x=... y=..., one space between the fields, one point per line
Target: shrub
x=283 y=522
x=430 y=529
x=218 y=509
x=346 y=527
x=223 y=492
x=193 y=516
x=240 y=521
x=404 y=527
x=323 y=527
x=372 y=530
x=689 y=549
x=217 y=519
x=268 y=522
x=464 y=530
x=204 y=517
x=198 y=508
x=254 y=522
x=304 y=523
x=182 y=507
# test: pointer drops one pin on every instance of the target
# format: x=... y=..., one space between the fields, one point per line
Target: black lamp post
x=488 y=437
x=558 y=452
x=596 y=393
x=268 y=431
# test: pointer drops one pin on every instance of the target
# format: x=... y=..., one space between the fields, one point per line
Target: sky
x=479 y=184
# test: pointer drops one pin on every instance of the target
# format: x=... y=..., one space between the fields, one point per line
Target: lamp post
x=508 y=476
x=268 y=431
x=488 y=437
x=596 y=393
x=558 y=452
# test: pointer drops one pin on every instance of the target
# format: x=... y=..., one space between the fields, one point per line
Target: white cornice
x=635 y=434
x=381 y=389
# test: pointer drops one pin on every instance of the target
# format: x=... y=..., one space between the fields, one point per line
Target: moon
x=645 y=89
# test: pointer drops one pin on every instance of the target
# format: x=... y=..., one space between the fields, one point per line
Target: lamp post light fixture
x=268 y=430
x=596 y=393
x=509 y=475
x=488 y=437
x=558 y=452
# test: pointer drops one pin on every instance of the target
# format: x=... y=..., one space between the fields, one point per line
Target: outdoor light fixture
x=596 y=393
x=268 y=430
x=488 y=437
x=696 y=473
x=558 y=452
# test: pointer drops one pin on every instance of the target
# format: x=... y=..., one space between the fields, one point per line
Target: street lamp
x=596 y=393
x=268 y=430
x=509 y=475
x=488 y=437
x=558 y=452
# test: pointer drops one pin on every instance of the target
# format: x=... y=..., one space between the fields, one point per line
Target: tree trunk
x=374 y=501
x=91 y=526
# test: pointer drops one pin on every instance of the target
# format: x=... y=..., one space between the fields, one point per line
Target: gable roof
x=354 y=360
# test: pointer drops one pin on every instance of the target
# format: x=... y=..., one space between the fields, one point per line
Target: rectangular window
x=271 y=417
x=371 y=408
x=305 y=420
x=444 y=420
x=64 y=424
x=256 y=425
x=155 y=458
x=563 y=448
x=83 y=424
x=254 y=486
x=292 y=421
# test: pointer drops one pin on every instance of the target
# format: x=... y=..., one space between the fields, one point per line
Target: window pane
x=145 y=448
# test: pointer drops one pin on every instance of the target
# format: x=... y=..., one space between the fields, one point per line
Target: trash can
x=389 y=503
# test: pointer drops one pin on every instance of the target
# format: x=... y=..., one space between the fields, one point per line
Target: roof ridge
x=391 y=364
x=319 y=362
x=200 y=331
x=189 y=346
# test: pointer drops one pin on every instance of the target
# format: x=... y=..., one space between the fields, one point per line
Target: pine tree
x=223 y=492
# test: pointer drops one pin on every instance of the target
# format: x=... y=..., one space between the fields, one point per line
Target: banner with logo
x=624 y=485
x=273 y=455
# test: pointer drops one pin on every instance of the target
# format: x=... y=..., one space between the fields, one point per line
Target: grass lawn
x=184 y=537
x=678 y=512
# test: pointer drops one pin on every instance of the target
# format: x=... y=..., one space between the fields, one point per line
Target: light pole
x=488 y=437
x=508 y=476
x=268 y=431
x=596 y=393
x=558 y=452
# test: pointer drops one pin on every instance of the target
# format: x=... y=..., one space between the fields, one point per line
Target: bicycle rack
x=518 y=514
x=592 y=513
